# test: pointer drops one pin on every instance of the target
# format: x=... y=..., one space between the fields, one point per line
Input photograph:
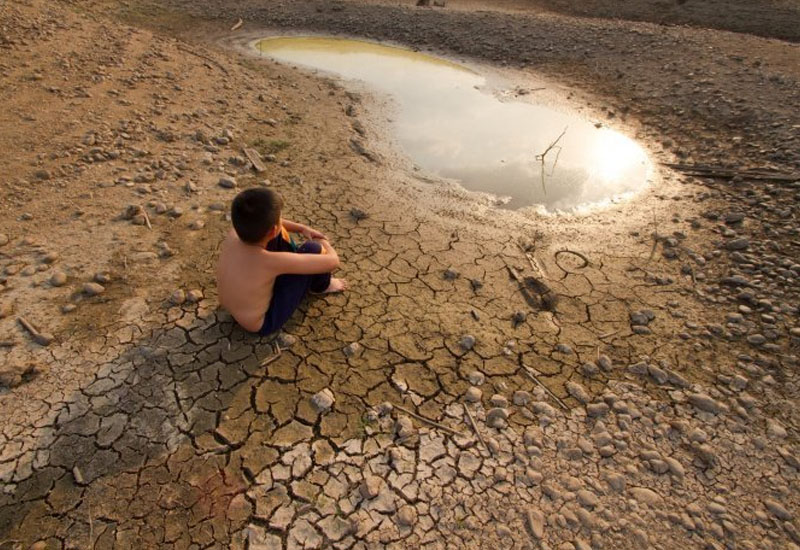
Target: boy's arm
x=304 y=230
x=306 y=264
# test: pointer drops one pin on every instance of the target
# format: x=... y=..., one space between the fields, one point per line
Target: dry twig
x=428 y=421
x=541 y=158
x=272 y=357
x=705 y=171
x=147 y=219
x=529 y=371
x=201 y=56
x=475 y=428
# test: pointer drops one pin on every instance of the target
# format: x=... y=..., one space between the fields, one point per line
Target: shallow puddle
x=449 y=126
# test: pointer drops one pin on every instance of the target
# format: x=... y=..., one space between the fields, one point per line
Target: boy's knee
x=310 y=247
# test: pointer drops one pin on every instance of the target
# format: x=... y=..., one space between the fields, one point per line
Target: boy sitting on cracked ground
x=262 y=275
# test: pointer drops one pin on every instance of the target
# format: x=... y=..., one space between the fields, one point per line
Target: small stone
x=102 y=277
x=68 y=308
x=58 y=278
x=194 y=296
x=616 y=481
x=403 y=427
x=473 y=395
x=351 y=349
x=604 y=363
x=646 y=496
x=285 y=340
x=503 y=531
x=589 y=369
x=597 y=409
x=639 y=318
x=775 y=429
x=587 y=499
x=406 y=516
x=578 y=392
x=521 y=398
x=323 y=400
x=49 y=258
x=498 y=400
x=451 y=274
x=131 y=211
x=704 y=402
x=78 y=476
x=3 y=239
x=197 y=225
x=227 y=182
x=370 y=487
x=357 y=214
x=535 y=522
x=178 y=297
x=777 y=509
x=93 y=289
x=467 y=342
x=738 y=244
x=476 y=378
x=497 y=418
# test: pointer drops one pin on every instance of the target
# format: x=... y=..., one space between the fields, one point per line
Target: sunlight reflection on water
x=448 y=126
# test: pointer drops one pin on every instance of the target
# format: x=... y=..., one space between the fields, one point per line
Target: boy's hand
x=312 y=234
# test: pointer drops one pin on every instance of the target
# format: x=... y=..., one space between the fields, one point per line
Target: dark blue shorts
x=289 y=289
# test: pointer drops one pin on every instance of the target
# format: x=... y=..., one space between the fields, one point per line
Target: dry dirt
x=143 y=417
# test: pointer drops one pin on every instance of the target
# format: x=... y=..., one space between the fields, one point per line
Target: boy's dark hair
x=254 y=212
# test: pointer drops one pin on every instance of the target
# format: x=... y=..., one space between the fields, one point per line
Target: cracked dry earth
x=140 y=416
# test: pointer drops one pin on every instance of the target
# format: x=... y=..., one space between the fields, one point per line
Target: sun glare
x=614 y=154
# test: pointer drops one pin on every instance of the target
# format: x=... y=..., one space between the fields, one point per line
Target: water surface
x=448 y=125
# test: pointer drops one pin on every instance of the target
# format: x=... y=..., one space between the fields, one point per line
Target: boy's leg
x=320 y=281
x=287 y=294
x=289 y=290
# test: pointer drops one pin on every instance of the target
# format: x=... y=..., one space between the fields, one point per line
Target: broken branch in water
x=541 y=158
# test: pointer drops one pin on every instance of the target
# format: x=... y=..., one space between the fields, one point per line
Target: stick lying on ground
x=475 y=428
x=529 y=371
x=428 y=421
x=272 y=357
x=40 y=338
x=729 y=173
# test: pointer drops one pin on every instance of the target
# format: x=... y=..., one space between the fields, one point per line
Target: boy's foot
x=337 y=285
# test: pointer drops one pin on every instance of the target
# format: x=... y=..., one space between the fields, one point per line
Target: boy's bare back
x=246 y=276
x=245 y=279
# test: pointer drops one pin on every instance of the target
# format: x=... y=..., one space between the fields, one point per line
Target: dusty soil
x=143 y=417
